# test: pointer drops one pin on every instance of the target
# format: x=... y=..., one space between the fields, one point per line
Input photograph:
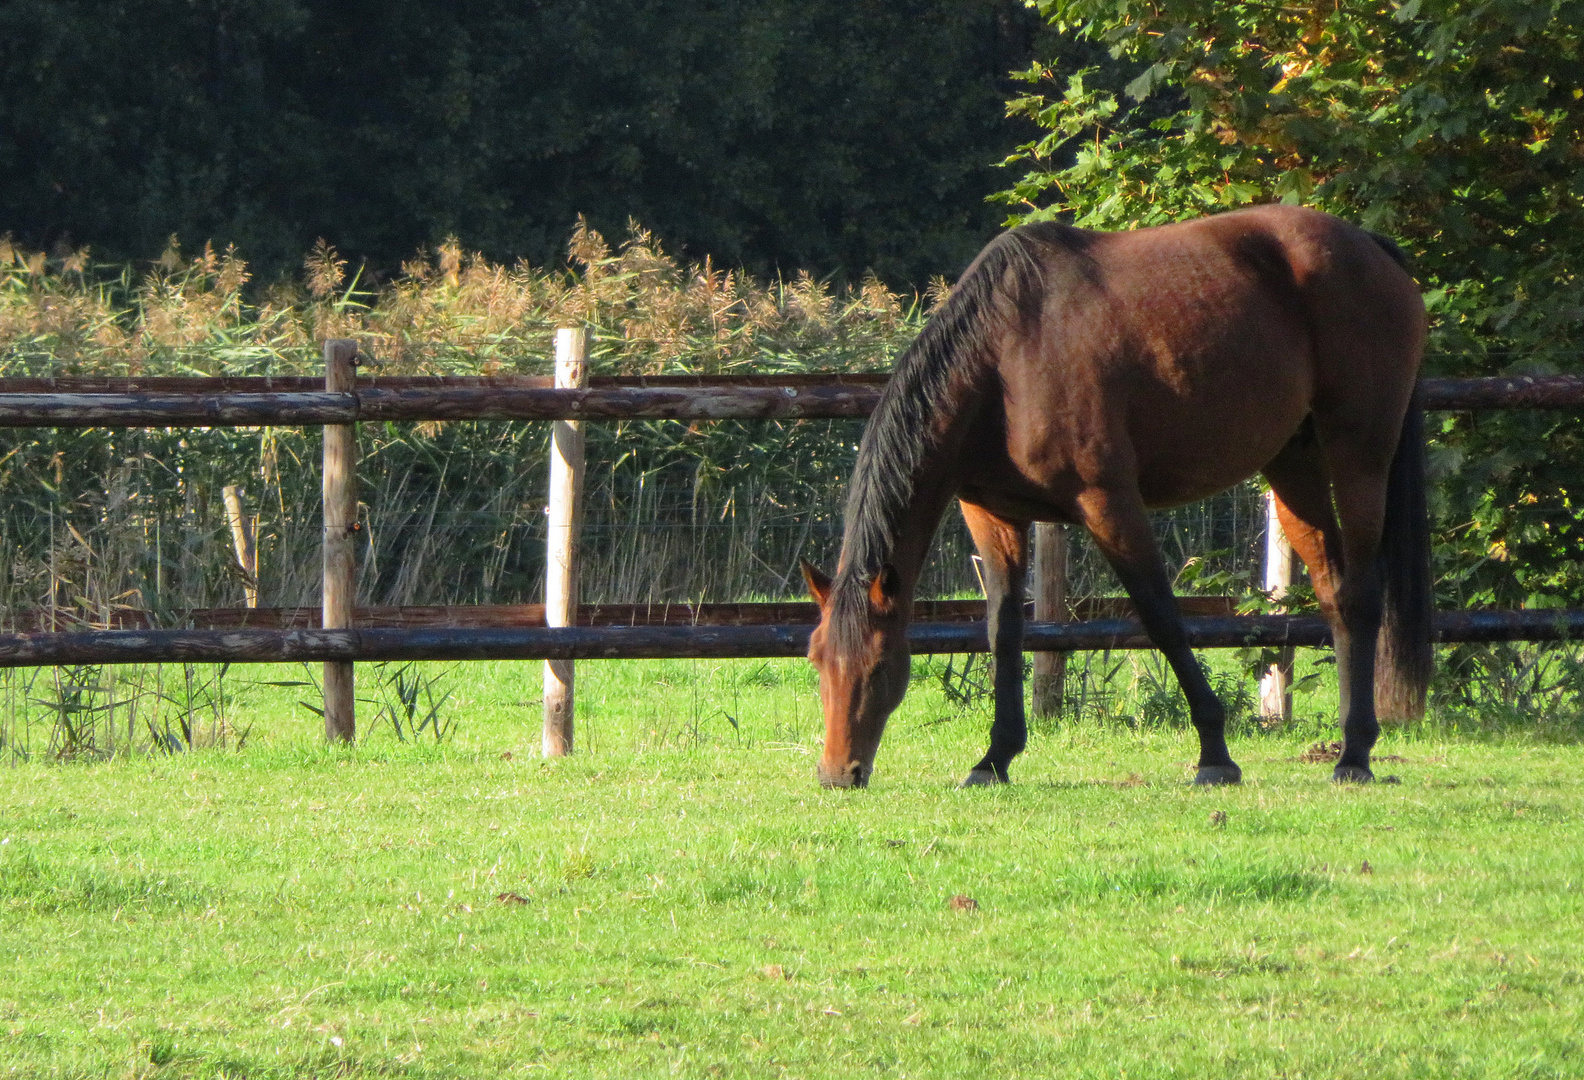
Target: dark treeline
x=829 y=135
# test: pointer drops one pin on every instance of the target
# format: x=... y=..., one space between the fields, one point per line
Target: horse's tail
x=1390 y=247
x=1404 y=656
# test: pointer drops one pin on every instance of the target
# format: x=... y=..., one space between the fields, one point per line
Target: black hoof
x=1218 y=774
x=1352 y=774
x=982 y=778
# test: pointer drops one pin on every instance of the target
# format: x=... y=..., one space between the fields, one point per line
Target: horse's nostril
x=853 y=774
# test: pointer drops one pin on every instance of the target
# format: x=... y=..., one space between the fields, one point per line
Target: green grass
x=681 y=900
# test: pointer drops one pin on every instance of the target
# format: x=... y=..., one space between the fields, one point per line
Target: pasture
x=681 y=899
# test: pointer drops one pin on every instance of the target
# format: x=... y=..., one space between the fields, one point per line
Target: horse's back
x=1366 y=315
x=1190 y=353
x=1365 y=320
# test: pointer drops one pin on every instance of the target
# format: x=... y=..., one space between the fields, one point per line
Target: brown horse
x=1086 y=377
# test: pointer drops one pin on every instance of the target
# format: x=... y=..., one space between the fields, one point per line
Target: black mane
x=938 y=371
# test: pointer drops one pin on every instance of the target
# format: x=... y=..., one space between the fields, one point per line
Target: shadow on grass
x=1219 y=879
x=29 y=884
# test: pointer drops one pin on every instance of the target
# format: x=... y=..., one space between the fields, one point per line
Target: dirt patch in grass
x=1327 y=752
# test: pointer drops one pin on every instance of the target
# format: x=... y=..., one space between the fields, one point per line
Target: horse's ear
x=884 y=588
x=819 y=584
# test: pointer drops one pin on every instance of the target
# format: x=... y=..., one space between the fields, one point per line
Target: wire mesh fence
x=97 y=524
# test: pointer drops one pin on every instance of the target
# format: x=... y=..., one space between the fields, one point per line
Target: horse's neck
x=932 y=496
x=918 y=497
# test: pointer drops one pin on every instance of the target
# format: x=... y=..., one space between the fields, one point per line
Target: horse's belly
x=1188 y=454
x=1161 y=489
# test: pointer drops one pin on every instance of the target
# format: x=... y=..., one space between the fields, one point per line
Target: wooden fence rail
x=417 y=616
x=340 y=401
x=505 y=399
x=705 y=642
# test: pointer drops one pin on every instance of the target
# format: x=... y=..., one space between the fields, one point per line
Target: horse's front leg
x=1121 y=529
x=1003 y=549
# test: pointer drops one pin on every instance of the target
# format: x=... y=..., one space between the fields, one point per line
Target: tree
x=828 y=135
x=1451 y=125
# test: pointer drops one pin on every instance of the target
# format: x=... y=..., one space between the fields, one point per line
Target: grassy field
x=681 y=900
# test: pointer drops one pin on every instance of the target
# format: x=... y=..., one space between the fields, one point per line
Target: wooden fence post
x=340 y=539
x=244 y=539
x=1276 y=684
x=1050 y=605
x=564 y=512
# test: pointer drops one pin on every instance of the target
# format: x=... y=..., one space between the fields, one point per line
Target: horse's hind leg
x=1304 y=504
x=1359 y=490
x=1003 y=550
x=1341 y=548
x=1121 y=530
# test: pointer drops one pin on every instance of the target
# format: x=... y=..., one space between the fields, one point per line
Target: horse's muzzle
x=854 y=774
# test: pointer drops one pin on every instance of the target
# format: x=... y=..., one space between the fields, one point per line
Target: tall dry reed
x=96 y=522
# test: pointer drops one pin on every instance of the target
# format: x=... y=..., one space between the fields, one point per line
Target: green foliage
x=408 y=698
x=94 y=712
x=1516 y=683
x=790 y=134
x=1451 y=125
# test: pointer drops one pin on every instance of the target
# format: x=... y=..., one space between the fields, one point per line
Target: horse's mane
x=935 y=378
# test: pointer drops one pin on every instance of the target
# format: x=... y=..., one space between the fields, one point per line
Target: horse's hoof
x=1352 y=774
x=1218 y=774
x=981 y=778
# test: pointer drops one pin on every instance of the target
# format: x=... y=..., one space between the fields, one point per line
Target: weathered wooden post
x=244 y=540
x=340 y=539
x=566 y=492
x=1050 y=605
x=1276 y=684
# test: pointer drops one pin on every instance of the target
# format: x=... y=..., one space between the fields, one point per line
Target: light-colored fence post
x=1276 y=684
x=244 y=539
x=340 y=539
x=564 y=511
x=1050 y=605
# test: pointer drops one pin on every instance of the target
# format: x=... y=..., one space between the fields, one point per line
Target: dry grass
x=449 y=310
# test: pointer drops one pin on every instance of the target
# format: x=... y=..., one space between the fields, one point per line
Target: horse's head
x=860 y=649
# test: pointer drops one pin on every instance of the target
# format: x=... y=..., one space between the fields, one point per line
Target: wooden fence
x=246 y=402
x=566 y=631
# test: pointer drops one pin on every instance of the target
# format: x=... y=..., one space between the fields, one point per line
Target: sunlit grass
x=681 y=899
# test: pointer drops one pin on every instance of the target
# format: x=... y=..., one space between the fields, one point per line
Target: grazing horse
x=1087 y=377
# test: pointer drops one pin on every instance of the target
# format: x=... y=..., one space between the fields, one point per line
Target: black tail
x=1404 y=657
x=1389 y=246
